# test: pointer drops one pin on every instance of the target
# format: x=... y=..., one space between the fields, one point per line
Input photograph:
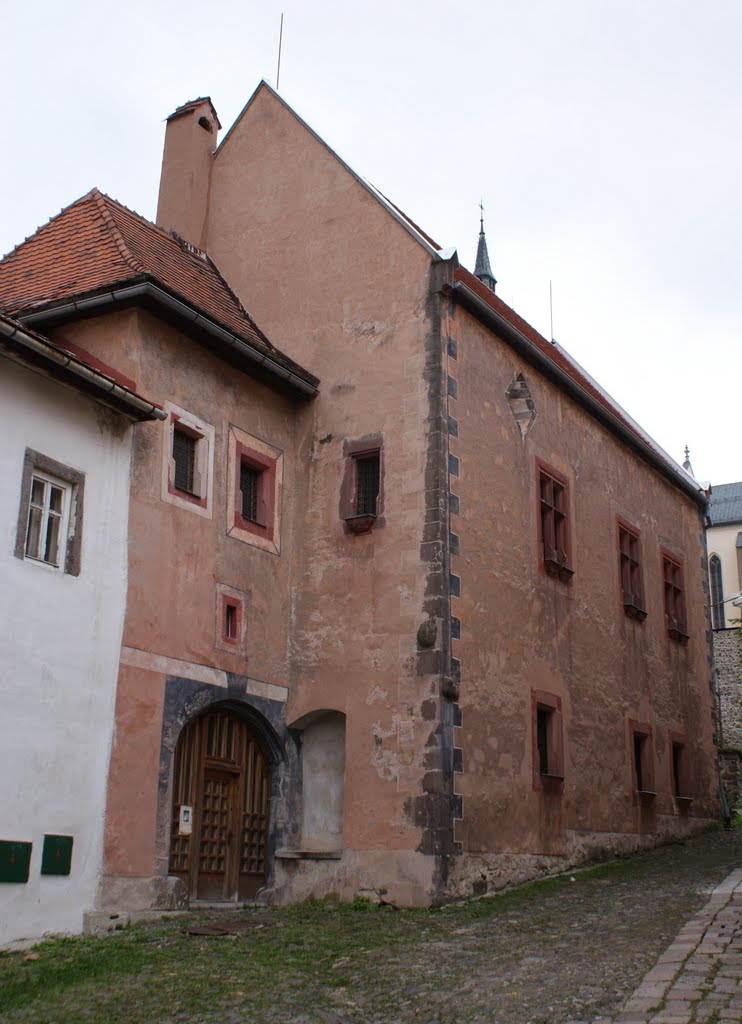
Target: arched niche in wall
x=323 y=779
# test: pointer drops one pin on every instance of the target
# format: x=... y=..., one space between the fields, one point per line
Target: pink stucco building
x=413 y=605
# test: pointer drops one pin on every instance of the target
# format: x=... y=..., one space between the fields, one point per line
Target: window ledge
x=560 y=569
x=554 y=776
x=634 y=611
x=684 y=801
x=361 y=524
x=308 y=854
x=647 y=796
x=678 y=634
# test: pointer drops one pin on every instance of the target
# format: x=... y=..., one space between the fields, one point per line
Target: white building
x=65 y=451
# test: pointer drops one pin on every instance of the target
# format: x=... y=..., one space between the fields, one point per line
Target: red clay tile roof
x=96 y=243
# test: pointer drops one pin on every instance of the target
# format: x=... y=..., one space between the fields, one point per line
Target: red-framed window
x=642 y=758
x=547 y=738
x=255 y=490
x=231 y=620
x=674 y=592
x=554 y=525
x=189 y=461
x=362 y=489
x=631 y=571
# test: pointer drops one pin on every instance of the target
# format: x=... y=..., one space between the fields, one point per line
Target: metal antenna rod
x=280 y=41
x=551 y=311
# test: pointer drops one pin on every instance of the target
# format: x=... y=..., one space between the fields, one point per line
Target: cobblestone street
x=699 y=977
x=653 y=939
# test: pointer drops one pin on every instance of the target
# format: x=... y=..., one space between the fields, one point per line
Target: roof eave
x=33 y=349
x=254 y=362
x=521 y=344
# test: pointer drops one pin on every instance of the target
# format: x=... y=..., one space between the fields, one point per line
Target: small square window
x=674 y=589
x=250 y=487
x=548 y=746
x=554 y=523
x=230 y=618
x=254 y=485
x=187 y=464
x=630 y=570
x=50 y=514
x=184 y=459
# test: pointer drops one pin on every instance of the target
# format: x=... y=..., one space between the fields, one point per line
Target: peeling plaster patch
x=376 y=693
x=386 y=763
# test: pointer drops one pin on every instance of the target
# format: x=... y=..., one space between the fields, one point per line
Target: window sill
x=361 y=524
x=676 y=633
x=560 y=569
x=308 y=854
x=683 y=801
x=554 y=776
x=646 y=796
x=633 y=611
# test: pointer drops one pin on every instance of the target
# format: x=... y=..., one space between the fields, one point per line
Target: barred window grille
x=184 y=457
x=249 y=481
x=367 y=485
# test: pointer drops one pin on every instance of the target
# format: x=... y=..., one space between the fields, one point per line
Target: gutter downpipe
x=148 y=290
x=79 y=369
x=526 y=348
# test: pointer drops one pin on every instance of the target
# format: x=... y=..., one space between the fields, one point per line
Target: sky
x=603 y=137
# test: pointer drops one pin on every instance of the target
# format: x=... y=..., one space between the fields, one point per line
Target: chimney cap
x=186 y=108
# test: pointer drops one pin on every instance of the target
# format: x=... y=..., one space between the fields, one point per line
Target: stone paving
x=699 y=977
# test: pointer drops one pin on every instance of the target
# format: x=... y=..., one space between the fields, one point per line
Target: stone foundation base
x=402 y=878
x=117 y=893
x=474 y=874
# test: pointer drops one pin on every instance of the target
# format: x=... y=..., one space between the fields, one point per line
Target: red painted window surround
x=554 y=516
x=642 y=759
x=231 y=620
x=196 y=499
x=680 y=774
x=673 y=582
x=547 y=741
x=630 y=569
x=264 y=523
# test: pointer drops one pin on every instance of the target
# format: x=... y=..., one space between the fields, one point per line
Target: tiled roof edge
x=468 y=289
x=101 y=202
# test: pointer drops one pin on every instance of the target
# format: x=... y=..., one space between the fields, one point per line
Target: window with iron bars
x=368 y=475
x=184 y=459
x=250 y=487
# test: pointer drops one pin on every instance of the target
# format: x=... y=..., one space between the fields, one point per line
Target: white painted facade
x=59 y=650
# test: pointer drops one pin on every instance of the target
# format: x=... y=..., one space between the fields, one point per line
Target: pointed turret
x=482 y=268
x=686 y=465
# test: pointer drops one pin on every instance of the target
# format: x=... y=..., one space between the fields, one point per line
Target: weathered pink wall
x=522 y=629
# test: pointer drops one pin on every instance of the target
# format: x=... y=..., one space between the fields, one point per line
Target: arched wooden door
x=221 y=809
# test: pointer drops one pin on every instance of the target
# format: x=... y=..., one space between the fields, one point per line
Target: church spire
x=482 y=268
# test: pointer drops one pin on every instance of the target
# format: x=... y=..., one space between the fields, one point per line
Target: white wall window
x=50 y=514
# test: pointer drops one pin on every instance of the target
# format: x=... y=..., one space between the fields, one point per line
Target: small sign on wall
x=15 y=858
x=185 y=822
x=56 y=856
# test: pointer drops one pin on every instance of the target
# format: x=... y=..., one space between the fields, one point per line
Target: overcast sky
x=603 y=135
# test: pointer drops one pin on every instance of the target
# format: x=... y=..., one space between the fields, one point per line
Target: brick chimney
x=190 y=141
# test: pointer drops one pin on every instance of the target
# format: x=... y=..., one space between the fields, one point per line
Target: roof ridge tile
x=107 y=217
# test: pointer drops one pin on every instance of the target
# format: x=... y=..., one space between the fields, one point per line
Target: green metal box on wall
x=56 y=856
x=15 y=858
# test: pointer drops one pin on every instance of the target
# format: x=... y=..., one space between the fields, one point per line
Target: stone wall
x=728 y=662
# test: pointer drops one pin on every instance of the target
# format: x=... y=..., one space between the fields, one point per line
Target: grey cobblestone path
x=698 y=979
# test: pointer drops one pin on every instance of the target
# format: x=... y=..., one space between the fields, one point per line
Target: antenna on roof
x=551 y=311
x=280 y=41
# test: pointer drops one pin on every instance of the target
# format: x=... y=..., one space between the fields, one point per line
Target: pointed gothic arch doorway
x=221 y=808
